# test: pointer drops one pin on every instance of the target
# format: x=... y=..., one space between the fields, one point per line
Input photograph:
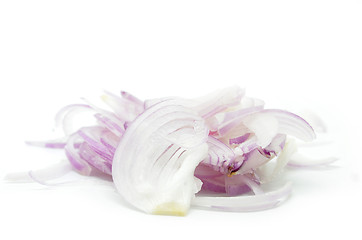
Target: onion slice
x=42 y=176
x=125 y=107
x=270 y=171
x=220 y=157
x=292 y=124
x=257 y=202
x=65 y=116
x=152 y=170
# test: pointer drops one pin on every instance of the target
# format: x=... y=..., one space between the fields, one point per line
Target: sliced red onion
x=232 y=119
x=276 y=145
x=59 y=143
x=116 y=128
x=241 y=183
x=65 y=116
x=97 y=148
x=264 y=126
x=237 y=189
x=169 y=187
x=224 y=121
x=72 y=153
x=150 y=102
x=315 y=121
x=182 y=131
x=270 y=171
x=96 y=159
x=240 y=113
x=212 y=180
x=292 y=124
x=109 y=115
x=65 y=110
x=267 y=123
x=239 y=140
x=257 y=156
x=91 y=138
x=157 y=151
x=215 y=184
x=205 y=171
x=109 y=141
x=133 y=99
x=213 y=103
x=124 y=108
x=253 y=160
x=42 y=176
x=221 y=157
x=257 y=202
x=246 y=147
x=232 y=185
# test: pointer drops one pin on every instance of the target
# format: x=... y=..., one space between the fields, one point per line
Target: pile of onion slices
x=167 y=154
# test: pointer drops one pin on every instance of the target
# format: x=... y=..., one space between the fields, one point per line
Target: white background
x=292 y=54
